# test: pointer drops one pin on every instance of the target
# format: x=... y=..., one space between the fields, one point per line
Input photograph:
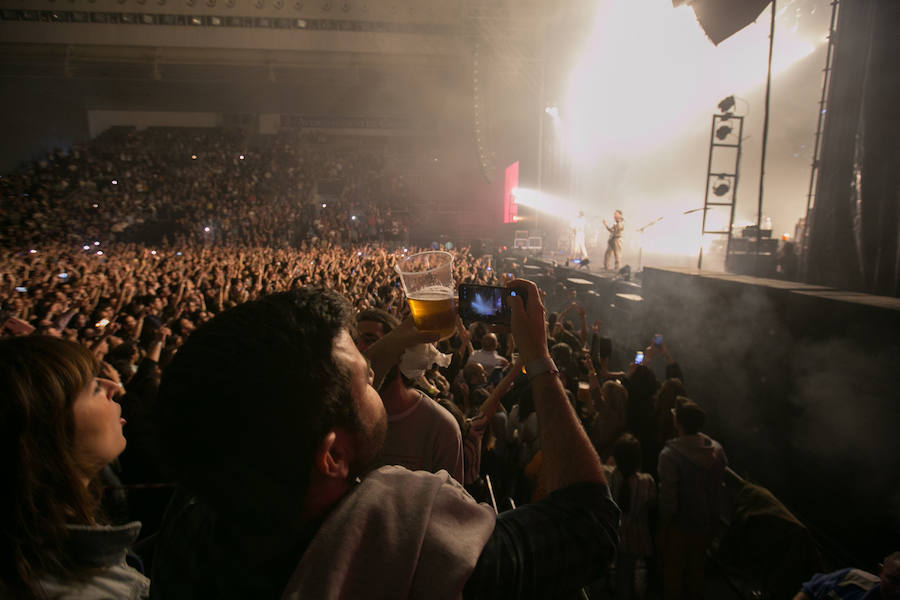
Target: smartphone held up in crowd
x=486 y=303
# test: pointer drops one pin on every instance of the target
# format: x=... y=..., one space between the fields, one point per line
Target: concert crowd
x=142 y=250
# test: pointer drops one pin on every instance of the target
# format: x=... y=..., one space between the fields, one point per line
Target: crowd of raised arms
x=137 y=250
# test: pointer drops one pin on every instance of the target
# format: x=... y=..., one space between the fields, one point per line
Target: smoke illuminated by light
x=638 y=86
x=547 y=204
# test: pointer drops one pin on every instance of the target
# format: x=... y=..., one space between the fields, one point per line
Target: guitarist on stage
x=614 y=244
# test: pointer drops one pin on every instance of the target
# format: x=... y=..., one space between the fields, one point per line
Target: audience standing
x=635 y=493
x=286 y=512
x=131 y=246
x=691 y=470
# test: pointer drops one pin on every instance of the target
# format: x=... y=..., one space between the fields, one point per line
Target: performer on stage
x=578 y=248
x=614 y=244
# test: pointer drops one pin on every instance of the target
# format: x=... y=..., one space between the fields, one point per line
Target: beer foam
x=434 y=292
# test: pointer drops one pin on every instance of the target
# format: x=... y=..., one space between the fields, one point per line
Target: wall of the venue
x=101 y=120
x=234 y=38
x=372 y=11
x=36 y=119
x=371 y=26
x=48 y=108
x=404 y=64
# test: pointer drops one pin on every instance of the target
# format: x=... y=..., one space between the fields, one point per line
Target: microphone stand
x=640 y=230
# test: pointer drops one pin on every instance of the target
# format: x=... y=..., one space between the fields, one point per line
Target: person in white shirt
x=488 y=357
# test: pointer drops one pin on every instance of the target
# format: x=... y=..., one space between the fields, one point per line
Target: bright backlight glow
x=648 y=73
x=545 y=203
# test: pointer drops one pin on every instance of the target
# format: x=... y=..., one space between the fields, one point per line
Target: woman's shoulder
x=118 y=581
x=102 y=550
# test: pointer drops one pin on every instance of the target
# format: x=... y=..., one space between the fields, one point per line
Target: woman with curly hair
x=59 y=427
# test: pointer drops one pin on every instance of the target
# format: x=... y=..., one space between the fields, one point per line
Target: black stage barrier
x=799 y=383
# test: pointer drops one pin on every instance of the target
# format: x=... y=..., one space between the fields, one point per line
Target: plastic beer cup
x=427 y=279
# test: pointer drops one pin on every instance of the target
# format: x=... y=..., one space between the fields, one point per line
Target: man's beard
x=369 y=438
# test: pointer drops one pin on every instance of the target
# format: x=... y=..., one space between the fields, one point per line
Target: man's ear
x=334 y=454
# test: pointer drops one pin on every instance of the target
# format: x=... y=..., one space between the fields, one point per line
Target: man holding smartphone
x=270 y=448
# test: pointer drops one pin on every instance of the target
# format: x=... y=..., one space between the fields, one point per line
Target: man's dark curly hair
x=248 y=399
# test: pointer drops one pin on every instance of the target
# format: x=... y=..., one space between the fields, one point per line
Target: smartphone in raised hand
x=486 y=303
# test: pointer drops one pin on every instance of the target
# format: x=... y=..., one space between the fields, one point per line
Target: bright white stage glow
x=635 y=118
x=648 y=73
x=546 y=204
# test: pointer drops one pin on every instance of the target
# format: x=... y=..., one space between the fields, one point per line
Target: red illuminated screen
x=510 y=209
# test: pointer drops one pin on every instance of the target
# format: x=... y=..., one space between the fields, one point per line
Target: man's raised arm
x=568 y=456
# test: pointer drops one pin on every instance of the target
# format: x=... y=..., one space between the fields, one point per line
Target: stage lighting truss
x=725 y=137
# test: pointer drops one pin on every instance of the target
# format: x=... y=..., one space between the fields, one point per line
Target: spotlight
x=721 y=188
x=723 y=132
x=99 y=252
x=727 y=104
x=85 y=247
x=324 y=205
x=193 y=157
x=96 y=243
x=353 y=218
x=115 y=182
x=206 y=229
x=32 y=251
x=241 y=157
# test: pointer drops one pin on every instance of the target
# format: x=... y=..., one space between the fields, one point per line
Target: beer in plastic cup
x=427 y=279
